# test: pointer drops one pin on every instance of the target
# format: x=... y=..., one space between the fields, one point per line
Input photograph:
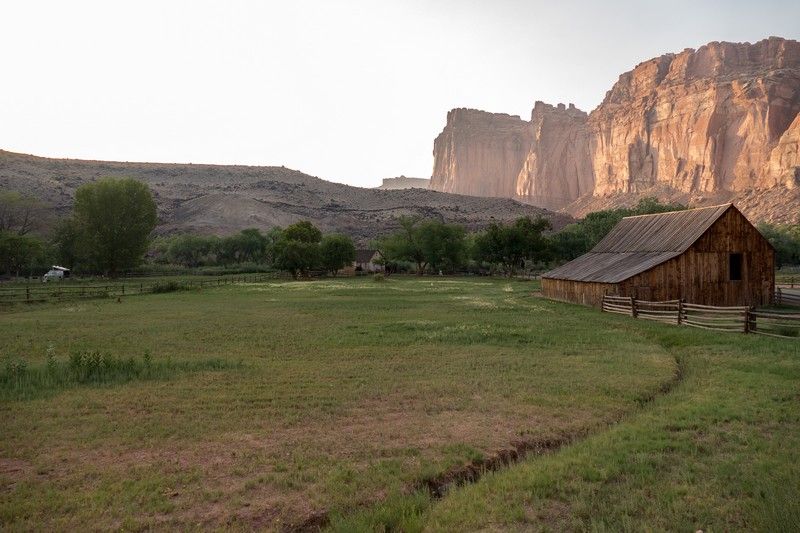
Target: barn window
x=735 y=267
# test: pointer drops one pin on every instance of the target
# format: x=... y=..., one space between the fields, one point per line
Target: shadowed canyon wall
x=722 y=119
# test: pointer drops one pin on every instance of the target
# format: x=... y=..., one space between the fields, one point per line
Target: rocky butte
x=403 y=182
x=715 y=124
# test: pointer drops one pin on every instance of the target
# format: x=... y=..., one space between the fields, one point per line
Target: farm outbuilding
x=710 y=256
x=368 y=261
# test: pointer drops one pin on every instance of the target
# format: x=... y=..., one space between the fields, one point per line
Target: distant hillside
x=223 y=199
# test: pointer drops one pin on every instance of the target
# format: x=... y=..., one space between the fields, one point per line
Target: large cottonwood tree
x=113 y=219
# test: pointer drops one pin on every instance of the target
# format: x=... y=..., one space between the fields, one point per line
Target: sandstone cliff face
x=545 y=161
x=480 y=153
x=558 y=167
x=704 y=120
x=784 y=161
x=720 y=119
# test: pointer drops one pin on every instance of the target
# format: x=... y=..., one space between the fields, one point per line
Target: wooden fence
x=61 y=291
x=784 y=296
x=732 y=319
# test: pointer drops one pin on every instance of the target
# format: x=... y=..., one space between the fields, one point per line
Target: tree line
x=110 y=231
x=786 y=240
x=299 y=249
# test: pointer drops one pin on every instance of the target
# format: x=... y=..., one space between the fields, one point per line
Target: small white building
x=368 y=261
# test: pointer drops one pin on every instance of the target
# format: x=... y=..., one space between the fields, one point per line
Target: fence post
x=27 y=294
x=634 y=314
x=680 y=311
x=778 y=296
x=123 y=289
x=747 y=319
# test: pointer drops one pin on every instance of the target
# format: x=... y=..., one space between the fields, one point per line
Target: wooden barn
x=710 y=256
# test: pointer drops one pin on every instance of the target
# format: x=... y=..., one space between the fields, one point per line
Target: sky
x=350 y=91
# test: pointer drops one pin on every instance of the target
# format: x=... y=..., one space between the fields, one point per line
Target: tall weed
x=18 y=381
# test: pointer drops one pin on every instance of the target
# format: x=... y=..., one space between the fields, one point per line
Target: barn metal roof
x=639 y=243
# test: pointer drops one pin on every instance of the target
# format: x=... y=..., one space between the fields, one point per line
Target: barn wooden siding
x=581 y=292
x=698 y=275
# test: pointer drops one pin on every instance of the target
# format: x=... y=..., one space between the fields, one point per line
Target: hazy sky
x=351 y=91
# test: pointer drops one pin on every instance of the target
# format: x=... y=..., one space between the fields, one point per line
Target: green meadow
x=331 y=403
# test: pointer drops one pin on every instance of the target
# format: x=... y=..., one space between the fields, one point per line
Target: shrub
x=378 y=277
x=165 y=286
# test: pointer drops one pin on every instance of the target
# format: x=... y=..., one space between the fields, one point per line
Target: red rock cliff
x=480 y=153
x=703 y=120
x=558 y=167
x=719 y=119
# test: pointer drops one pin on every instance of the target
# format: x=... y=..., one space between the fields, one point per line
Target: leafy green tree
x=158 y=249
x=19 y=213
x=336 y=251
x=67 y=242
x=229 y=250
x=273 y=237
x=253 y=245
x=115 y=218
x=426 y=243
x=297 y=257
x=786 y=241
x=247 y=245
x=20 y=252
x=443 y=246
x=404 y=244
x=303 y=231
x=509 y=245
x=297 y=251
x=570 y=243
x=577 y=239
x=193 y=250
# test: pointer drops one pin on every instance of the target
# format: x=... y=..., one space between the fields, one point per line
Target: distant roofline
x=728 y=204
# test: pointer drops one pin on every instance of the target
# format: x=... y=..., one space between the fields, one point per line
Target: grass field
x=268 y=405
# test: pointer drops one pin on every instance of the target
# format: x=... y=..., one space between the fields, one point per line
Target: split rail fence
x=61 y=291
x=784 y=296
x=774 y=323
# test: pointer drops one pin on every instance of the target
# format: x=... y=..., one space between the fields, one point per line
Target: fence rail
x=618 y=304
x=57 y=291
x=731 y=319
x=784 y=296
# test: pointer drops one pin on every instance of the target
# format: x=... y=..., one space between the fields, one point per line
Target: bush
x=172 y=286
x=238 y=268
x=165 y=286
x=378 y=278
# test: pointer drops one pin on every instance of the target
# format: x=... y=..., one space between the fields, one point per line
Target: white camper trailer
x=56 y=273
